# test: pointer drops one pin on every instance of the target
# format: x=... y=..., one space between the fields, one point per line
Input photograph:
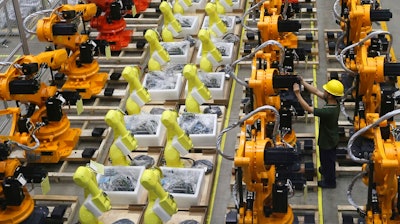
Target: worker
x=328 y=126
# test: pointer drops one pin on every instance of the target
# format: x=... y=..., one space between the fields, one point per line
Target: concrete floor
x=330 y=198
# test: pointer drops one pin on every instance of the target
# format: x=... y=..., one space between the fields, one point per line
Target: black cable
x=203 y=163
x=190 y=159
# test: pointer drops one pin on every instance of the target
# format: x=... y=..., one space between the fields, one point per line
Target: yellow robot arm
x=158 y=55
x=198 y=93
x=124 y=142
x=139 y=95
x=172 y=27
x=210 y=55
x=61 y=27
x=180 y=6
x=223 y=6
x=161 y=205
x=96 y=201
x=177 y=140
x=215 y=24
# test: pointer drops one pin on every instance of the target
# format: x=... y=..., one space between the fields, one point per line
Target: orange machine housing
x=61 y=28
x=17 y=212
x=56 y=138
x=110 y=22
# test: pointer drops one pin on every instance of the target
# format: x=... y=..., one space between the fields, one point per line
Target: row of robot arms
x=161 y=206
x=62 y=27
x=42 y=129
x=267 y=154
x=364 y=55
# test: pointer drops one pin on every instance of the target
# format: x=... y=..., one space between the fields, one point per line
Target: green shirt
x=328 y=126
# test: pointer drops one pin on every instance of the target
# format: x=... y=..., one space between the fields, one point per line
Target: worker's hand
x=300 y=79
x=296 y=88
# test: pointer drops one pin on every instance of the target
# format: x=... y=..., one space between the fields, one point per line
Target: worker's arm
x=303 y=103
x=312 y=89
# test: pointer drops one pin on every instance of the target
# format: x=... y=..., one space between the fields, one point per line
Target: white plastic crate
x=207 y=78
x=197 y=5
x=178 y=51
x=227 y=52
x=190 y=178
x=229 y=20
x=111 y=178
x=151 y=123
x=195 y=123
x=190 y=25
x=162 y=93
x=236 y=4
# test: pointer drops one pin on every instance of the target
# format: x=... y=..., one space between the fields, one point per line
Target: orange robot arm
x=61 y=27
x=19 y=83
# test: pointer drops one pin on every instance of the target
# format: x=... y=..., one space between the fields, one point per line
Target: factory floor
x=324 y=201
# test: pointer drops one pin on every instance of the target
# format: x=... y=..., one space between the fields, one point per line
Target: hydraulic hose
x=229 y=68
x=247 y=28
x=241 y=121
x=363 y=130
x=349 y=195
x=369 y=36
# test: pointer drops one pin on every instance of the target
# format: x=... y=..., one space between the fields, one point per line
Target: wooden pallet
x=302 y=213
x=53 y=200
x=305 y=212
x=133 y=213
x=198 y=214
x=349 y=213
x=132 y=54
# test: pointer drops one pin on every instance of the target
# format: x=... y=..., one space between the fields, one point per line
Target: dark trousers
x=327 y=157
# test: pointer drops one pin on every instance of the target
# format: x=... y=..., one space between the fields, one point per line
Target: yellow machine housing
x=158 y=55
x=138 y=94
x=178 y=142
x=171 y=27
x=124 y=142
x=96 y=201
x=158 y=198
x=198 y=92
